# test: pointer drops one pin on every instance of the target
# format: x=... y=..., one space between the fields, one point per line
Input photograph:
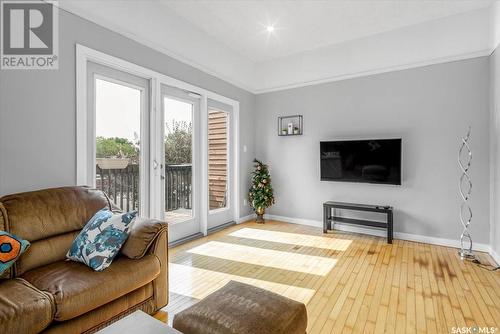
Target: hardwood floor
x=350 y=283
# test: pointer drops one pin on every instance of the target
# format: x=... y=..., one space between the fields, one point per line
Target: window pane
x=217 y=159
x=178 y=159
x=118 y=119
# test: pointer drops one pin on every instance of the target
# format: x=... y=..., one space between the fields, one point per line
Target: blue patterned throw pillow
x=11 y=248
x=101 y=239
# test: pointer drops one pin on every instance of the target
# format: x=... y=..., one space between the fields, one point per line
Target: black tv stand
x=329 y=219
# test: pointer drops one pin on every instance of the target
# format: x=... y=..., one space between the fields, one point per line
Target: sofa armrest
x=160 y=285
x=143 y=234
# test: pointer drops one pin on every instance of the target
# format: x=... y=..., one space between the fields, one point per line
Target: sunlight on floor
x=315 y=265
x=293 y=238
x=198 y=283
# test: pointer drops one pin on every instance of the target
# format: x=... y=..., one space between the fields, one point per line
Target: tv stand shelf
x=329 y=219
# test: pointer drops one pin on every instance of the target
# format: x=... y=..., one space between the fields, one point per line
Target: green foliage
x=260 y=194
x=178 y=143
x=116 y=148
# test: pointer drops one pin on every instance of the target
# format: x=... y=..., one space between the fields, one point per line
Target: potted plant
x=296 y=130
x=284 y=132
x=115 y=153
x=260 y=195
x=112 y=163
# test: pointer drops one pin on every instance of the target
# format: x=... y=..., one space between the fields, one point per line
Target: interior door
x=220 y=165
x=180 y=167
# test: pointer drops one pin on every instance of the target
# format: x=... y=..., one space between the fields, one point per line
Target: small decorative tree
x=260 y=195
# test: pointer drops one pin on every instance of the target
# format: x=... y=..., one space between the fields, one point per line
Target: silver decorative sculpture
x=465 y=187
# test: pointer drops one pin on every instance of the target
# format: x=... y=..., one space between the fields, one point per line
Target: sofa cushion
x=90 y=322
x=101 y=238
x=11 y=248
x=78 y=289
x=23 y=308
x=40 y=214
x=44 y=252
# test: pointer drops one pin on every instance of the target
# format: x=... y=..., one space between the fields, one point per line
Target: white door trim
x=204 y=164
x=84 y=55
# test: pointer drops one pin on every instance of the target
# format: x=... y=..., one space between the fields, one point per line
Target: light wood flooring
x=350 y=283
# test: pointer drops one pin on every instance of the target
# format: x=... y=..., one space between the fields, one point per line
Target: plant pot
x=260 y=215
x=112 y=163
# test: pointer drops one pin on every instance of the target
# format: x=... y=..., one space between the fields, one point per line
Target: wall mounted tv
x=369 y=161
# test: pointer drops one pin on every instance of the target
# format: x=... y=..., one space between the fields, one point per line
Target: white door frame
x=84 y=55
x=184 y=229
x=119 y=77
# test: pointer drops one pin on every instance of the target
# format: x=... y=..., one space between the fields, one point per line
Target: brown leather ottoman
x=242 y=308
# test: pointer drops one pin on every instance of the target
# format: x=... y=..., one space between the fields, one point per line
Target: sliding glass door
x=165 y=151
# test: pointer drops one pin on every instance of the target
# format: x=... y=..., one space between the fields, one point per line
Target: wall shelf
x=295 y=122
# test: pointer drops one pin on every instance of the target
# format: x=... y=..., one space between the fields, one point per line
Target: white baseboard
x=382 y=233
x=495 y=256
x=245 y=218
x=300 y=221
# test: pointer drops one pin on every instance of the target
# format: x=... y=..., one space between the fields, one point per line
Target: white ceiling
x=307 y=25
x=314 y=41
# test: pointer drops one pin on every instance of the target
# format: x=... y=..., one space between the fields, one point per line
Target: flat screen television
x=369 y=161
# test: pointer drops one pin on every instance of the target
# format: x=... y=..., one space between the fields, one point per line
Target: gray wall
x=429 y=107
x=495 y=152
x=37 y=109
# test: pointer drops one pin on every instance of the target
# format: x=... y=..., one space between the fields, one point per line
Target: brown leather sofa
x=43 y=292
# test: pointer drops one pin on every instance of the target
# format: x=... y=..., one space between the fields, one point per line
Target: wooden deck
x=179 y=215
x=350 y=283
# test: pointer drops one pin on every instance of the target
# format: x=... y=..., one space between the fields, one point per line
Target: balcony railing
x=122 y=186
x=178 y=187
